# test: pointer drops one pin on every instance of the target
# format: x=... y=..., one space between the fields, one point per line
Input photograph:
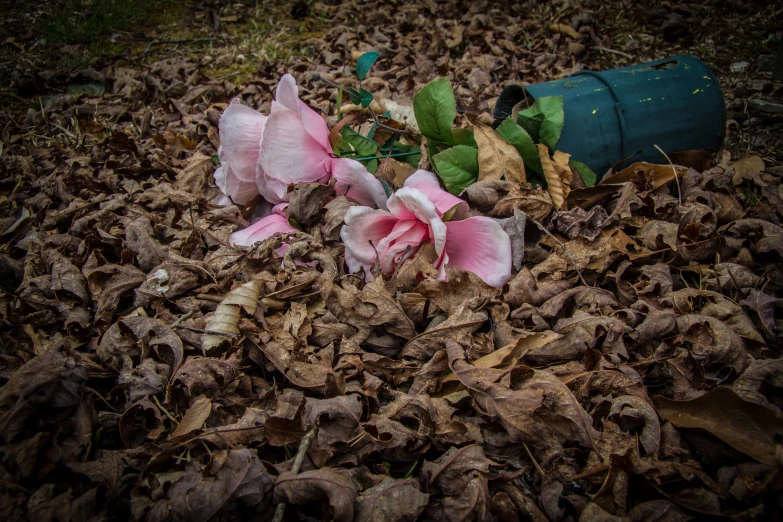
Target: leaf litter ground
x=629 y=371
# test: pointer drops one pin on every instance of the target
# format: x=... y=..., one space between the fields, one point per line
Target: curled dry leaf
x=557 y=173
x=391 y=501
x=225 y=319
x=318 y=485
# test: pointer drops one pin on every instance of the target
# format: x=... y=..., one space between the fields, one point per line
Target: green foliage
x=588 y=175
x=353 y=144
x=435 y=109
x=544 y=120
x=361 y=97
x=364 y=63
x=457 y=167
x=513 y=133
x=463 y=137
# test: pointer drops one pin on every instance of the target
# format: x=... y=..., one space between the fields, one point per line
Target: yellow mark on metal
x=697 y=91
x=595 y=110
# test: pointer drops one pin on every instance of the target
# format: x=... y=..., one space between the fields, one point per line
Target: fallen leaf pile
x=630 y=370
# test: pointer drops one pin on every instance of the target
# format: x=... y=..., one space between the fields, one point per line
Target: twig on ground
x=298 y=459
x=614 y=51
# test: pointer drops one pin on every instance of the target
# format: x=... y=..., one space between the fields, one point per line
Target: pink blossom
x=414 y=217
x=264 y=154
x=264 y=228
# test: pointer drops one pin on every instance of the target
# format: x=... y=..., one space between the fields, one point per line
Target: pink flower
x=264 y=228
x=414 y=217
x=264 y=154
x=241 y=129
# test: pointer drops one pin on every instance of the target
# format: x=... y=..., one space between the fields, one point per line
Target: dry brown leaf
x=566 y=30
x=497 y=158
x=193 y=419
x=745 y=426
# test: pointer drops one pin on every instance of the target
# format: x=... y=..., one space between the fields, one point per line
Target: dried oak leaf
x=764 y=306
x=302 y=366
x=203 y=376
x=174 y=277
x=133 y=339
x=108 y=283
x=452 y=472
x=140 y=238
x=745 y=426
x=460 y=286
x=225 y=318
x=284 y=425
x=367 y=308
x=499 y=198
x=307 y=202
x=50 y=380
x=317 y=485
x=391 y=501
x=233 y=479
x=761 y=383
x=458 y=327
x=334 y=217
x=525 y=288
x=577 y=222
x=537 y=409
x=634 y=414
x=713 y=344
x=338 y=419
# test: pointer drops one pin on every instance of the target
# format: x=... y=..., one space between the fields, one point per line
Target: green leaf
x=457 y=167
x=365 y=98
x=463 y=137
x=544 y=120
x=364 y=63
x=353 y=144
x=435 y=109
x=588 y=175
x=354 y=95
x=513 y=133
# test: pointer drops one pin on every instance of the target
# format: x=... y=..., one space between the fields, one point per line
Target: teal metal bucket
x=675 y=103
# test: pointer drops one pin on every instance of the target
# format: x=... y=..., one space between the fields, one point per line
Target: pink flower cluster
x=415 y=216
x=263 y=155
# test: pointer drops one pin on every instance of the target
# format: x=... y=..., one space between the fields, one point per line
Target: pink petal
x=363 y=226
x=288 y=153
x=239 y=191
x=241 y=129
x=428 y=183
x=262 y=229
x=287 y=93
x=479 y=245
x=404 y=240
x=287 y=96
x=315 y=125
x=271 y=188
x=409 y=203
x=358 y=185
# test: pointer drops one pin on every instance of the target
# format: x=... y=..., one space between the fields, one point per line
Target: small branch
x=209 y=332
x=304 y=445
x=613 y=51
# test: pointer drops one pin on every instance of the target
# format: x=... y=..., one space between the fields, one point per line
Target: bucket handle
x=618 y=106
